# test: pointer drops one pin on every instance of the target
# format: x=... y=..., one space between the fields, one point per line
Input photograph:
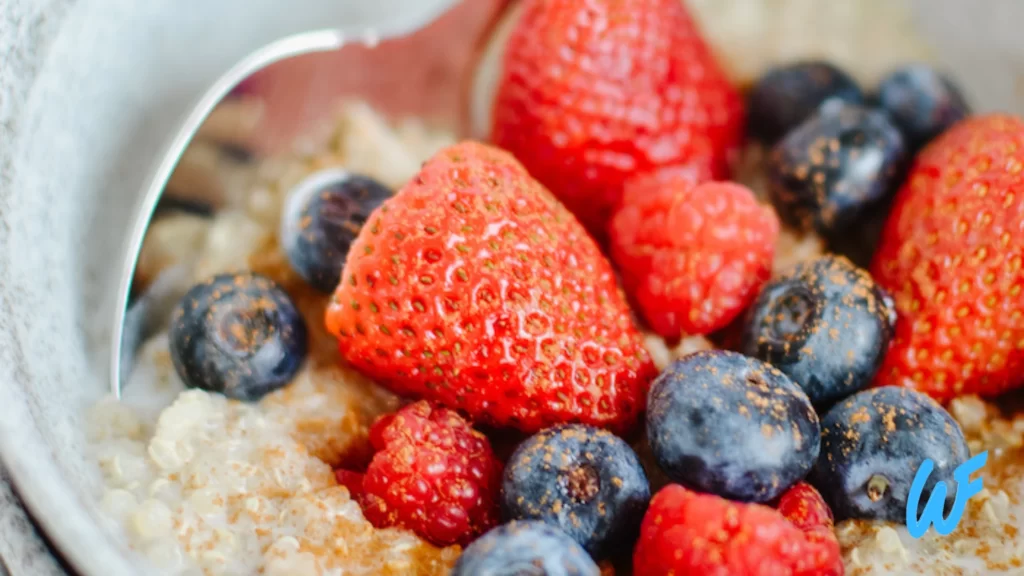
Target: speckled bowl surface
x=90 y=93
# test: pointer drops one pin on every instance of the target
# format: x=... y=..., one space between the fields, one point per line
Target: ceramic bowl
x=90 y=92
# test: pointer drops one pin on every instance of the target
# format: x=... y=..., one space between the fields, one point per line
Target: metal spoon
x=132 y=325
x=430 y=58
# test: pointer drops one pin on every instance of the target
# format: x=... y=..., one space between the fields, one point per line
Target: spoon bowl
x=129 y=328
x=259 y=106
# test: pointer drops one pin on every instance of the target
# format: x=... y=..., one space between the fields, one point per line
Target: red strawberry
x=951 y=255
x=685 y=532
x=691 y=256
x=432 y=474
x=592 y=93
x=474 y=287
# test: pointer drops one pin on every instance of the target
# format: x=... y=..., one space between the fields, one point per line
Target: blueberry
x=727 y=424
x=922 y=102
x=585 y=480
x=825 y=324
x=872 y=445
x=322 y=217
x=787 y=95
x=237 y=334
x=835 y=167
x=530 y=548
x=859 y=241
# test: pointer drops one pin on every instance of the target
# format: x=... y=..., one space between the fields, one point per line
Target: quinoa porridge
x=203 y=484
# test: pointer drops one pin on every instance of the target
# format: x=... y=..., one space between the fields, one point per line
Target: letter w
x=965 y=489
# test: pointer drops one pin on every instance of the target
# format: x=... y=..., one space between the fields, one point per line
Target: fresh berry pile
x=487 y=291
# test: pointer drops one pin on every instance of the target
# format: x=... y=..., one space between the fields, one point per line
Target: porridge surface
x=228 y=487
x=205 y=485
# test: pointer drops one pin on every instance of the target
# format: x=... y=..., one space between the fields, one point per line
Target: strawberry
x=685 y=532
x=592 y=93
x=475 y=288
x=692 y=256
x=950 y=255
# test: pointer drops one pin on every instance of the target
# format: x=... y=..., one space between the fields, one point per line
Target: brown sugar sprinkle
x=252 y=499
x=329 y=410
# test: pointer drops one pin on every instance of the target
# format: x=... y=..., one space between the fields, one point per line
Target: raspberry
x=689 y=533
x=806 y=509
x=692 y=256
x=351 y=480
x=432 y=474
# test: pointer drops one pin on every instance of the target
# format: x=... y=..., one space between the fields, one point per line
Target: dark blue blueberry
x=835 y=167
x=787 y=95
x=529 y=548
x=585 y=480
x=237 y=334
x=859 y=240
x=922 y=102
x=322 y=217
x=727 y=424
x=872 y=445
x=825 y=324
